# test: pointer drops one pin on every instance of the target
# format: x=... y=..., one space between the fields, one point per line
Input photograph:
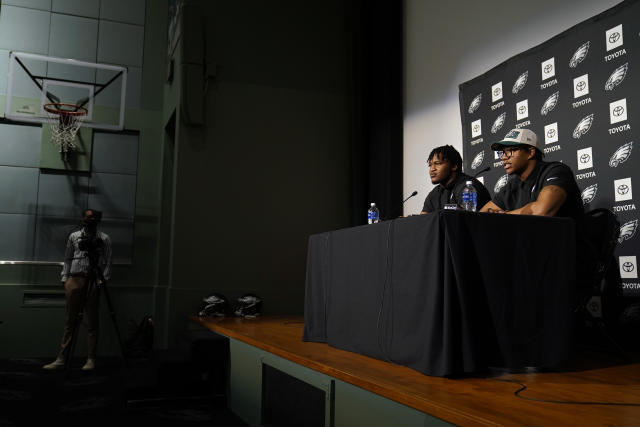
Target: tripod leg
x=112 y=313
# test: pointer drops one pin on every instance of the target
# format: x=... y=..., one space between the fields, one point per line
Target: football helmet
x=248 y=305
x=214 y=305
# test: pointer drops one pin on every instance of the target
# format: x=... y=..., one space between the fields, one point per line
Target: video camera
x=90 y=243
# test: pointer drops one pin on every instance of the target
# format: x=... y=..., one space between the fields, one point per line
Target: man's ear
x=532 y=153
x=454 y=168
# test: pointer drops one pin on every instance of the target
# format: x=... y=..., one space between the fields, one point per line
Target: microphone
x=482 y=171
x=415 y=193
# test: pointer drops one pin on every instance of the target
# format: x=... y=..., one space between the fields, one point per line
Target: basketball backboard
x=35 y=80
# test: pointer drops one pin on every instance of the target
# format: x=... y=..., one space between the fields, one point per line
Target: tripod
x=94 y=279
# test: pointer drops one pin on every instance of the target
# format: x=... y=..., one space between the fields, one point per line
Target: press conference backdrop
x=580 y=93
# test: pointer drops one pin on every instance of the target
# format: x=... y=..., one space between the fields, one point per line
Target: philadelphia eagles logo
x=579 y=55
x=497 y=125
x=520 y=82
x=549 y=104
x=501 y=183
x=589 y=193
x=621 y=155
x=475 y=104
x=477 y=160
x=583 y=127
x=616 y=77
x=628 y=230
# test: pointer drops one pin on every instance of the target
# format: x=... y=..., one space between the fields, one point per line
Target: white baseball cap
x=517 y=137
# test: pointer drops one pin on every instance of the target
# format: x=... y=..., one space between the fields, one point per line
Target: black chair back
x=602 y=230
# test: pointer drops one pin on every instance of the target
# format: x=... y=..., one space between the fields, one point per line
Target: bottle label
x=373 y=215
x=469 y=196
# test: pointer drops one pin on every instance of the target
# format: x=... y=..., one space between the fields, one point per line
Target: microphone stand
x=402 y=204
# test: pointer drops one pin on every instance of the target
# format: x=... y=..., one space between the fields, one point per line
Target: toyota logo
x=614 y=37
x=522 y=109
x=623 y=189
x=581 y=86
x=496 y=91
x=551 y=133
x=628 y=266
x=548 y=68
x=618 y=111
x=476 y=128
x=585 y=158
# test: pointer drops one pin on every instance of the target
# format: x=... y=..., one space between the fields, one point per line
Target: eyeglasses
x=507 y=152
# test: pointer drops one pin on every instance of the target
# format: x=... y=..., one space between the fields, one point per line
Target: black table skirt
x=447 y=293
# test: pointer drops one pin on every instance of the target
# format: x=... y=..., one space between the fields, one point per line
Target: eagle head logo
x=616 y=77
x=498 y=123
x=628 y=230
x=579 y=55
x=583 y=126
x=475 y=103
x=621 y=154
x=549 y=104
x=477 y=160
x=589 y=193
x=520 y=82
x=501 y=183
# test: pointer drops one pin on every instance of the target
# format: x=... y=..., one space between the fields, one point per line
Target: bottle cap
x=373 y=204
x=469 y=182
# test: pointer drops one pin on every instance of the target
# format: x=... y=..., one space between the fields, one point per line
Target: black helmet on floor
x=214 y=305
x=248 y=305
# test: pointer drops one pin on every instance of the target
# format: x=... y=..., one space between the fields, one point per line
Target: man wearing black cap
x=445 y=166
x=538 y=187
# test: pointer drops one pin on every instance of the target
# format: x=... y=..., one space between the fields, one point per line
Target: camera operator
x=87 y=264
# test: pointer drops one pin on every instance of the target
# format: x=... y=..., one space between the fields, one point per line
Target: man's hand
x=492 y=208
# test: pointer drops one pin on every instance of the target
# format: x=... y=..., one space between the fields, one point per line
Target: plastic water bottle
x=469 y=197
x=373 y=214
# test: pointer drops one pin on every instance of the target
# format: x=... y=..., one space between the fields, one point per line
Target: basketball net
x=65 y=121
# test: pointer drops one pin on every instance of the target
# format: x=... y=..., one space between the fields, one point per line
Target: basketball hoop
x=65 y=121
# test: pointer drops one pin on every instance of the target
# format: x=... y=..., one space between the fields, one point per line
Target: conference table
x=447 y=293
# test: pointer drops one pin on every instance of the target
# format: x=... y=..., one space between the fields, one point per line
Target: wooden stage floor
x=599 y=390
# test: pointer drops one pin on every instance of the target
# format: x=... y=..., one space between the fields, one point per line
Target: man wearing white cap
x=536 y=187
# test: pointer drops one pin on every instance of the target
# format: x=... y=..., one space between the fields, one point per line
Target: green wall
x=345 y=405
x=227 y=206
x=35 y=330
x=270 y=164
